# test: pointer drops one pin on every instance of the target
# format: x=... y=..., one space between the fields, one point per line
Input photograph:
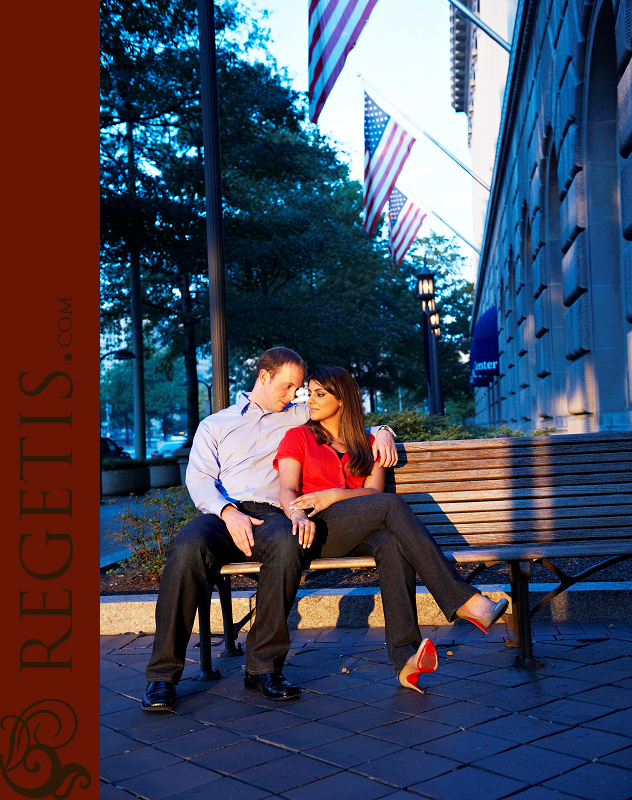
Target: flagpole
x=478 y=23
x=426 y=134
x=434 y=214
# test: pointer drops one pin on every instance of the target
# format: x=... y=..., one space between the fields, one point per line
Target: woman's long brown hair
x=340 y=383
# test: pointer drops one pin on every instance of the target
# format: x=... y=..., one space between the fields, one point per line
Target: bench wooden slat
x=548 y=551
x=519 y=493
x=517 y=465
x=451 y=506
x=597 y=440
x=509 y=519
x=523 y=461
x=511 y=487
x=349 y=562
x=478 y=514
x=557 y=449
x=555 y=536
x=459 y=556
x=559 y=523
x=488 y=472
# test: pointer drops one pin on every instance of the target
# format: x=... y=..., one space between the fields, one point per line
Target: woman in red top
x=332 y=490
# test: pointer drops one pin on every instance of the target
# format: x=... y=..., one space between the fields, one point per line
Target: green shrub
x=149 y=530
x=123 y=463
x=414 y=426
x=162 y=461
x=505 y=430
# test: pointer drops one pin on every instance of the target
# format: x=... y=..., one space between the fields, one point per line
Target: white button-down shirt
x=232 y=454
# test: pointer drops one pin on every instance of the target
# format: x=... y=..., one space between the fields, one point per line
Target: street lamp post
x=430 y=321
x=213 y=184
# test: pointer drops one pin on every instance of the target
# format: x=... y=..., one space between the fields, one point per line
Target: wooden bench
x=517 y=500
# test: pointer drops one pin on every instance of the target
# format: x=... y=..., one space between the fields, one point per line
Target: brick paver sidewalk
x=483 y=730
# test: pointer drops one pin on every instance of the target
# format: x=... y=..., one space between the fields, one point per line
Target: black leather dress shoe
x=159 y=696
x=272 y=685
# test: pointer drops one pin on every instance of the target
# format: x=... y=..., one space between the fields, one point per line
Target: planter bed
x=164 y=475
x=122 y=482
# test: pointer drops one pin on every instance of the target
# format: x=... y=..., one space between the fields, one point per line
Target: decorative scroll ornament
x=31 y=766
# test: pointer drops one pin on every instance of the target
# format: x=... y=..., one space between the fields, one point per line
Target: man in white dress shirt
x=231 y=479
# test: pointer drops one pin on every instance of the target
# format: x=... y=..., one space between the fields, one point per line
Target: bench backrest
x=540 y=490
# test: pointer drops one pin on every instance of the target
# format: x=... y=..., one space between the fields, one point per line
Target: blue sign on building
x=484 y=358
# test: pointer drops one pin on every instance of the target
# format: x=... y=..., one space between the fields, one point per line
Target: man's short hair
x=273 y=359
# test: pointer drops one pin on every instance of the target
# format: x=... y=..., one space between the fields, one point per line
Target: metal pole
x=471 y=16
x=434 y=213
x=137 y=317
x=429 y=361
x=436 y=381
x=428 y=136
x=213 y=183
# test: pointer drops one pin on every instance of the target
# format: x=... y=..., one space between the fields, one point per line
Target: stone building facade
x=556 y=255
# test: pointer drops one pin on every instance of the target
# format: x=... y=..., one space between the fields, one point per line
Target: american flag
x=334 y=28
x=386 y=148
x=404 y=219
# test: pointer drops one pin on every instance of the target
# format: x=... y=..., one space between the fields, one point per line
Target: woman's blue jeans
x=386 y=525
x=382 y=526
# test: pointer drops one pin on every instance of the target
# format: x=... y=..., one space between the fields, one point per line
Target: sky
x=404 y=53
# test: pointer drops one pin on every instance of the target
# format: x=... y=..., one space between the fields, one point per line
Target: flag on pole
x=334 y=29
x=386 y=148
x=404 y=221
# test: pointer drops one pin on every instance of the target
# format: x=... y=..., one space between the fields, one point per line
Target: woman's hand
x=316 y=501
x=304 y=527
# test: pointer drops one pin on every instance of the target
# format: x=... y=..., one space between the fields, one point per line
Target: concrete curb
x=361 y=608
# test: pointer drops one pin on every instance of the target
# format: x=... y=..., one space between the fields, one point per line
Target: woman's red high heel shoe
x=426 y=660
x=486 y=621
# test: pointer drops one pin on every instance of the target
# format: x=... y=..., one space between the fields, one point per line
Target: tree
x=153 y=206
x=116 y=391
x=300 y=270
x=165 y=392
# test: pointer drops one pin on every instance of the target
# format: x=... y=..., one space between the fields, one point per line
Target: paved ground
x=483 y=730
x=111 y=550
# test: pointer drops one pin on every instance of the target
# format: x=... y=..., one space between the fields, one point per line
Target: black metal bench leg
x=519 y=573
x=207 y=673
x=230 y=634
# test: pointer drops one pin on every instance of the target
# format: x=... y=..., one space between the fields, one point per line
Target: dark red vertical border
x=50 y=539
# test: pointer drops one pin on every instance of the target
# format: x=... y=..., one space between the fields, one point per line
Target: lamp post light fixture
x=119 y=355
x=425 y=285
x=428 y=306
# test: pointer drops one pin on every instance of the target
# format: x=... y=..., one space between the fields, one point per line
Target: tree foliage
x=165 y=392
x=300 y=271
